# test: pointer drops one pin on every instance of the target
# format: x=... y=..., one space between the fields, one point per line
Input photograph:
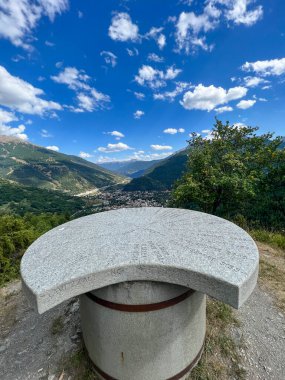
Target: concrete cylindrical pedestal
x=143 y=330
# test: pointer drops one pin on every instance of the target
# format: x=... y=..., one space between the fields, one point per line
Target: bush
x=16 y=234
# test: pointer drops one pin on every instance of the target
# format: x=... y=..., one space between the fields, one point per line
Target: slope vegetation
x=31 y=165
x=162 y=175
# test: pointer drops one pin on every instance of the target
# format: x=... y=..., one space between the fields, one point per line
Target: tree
x=228 y=171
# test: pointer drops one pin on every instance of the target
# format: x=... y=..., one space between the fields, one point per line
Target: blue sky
x=114 y=80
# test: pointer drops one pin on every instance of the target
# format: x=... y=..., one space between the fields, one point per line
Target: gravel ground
x=263 y=333
x=30 y=351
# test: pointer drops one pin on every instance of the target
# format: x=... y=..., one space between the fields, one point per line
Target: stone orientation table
x=142 y=275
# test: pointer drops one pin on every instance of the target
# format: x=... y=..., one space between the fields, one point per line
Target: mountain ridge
x=32 y=165
x=162 y=175
x=131 y=168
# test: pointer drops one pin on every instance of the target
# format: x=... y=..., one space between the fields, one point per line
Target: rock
x=188 y=248
x=3 y=348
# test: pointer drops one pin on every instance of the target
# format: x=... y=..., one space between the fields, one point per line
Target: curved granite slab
x=183 y=247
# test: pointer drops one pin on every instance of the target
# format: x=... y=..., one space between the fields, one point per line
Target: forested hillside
x=18 y=199
x=35 y=166
x=162 y=175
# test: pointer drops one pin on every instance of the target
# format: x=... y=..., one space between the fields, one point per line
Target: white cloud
x=159 y=37
x=161 y=147
x=132 y=52
x=49 y=44
x=54 y=148
x=89 y=99
x=85 y=155
x=123 y=29
x=238 y=12
x=92 y=101
x=273 y=67
x=19 y=95
x=191 y=28
x=138 y=114
x=18 y=58
x=109 y=57
x=7 y=117
x=142 y=156
x=106 y=159
x=224 y=109
x=45 y=133
x=192 y=22
x=7 y=130
x=116 y=134
x=139 y=155
x=266 y=87
x=245 y=104
x=75 y=79
x=59 y=64
x=161 y=41
x=171 y=95
x=149 y=76
x=208 y=134
x=173 y=131
x=112 y=148
x=139 y=95
x=85 y=102
x=18 y=18
x=155 y=58
x=239 y=125
x=171 y=73
x=52 y=7
x=208 y=98
x=153 y=78
x=254 y=81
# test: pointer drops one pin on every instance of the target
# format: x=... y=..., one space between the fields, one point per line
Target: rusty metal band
x=189 y=367
x=140 y=308
x=176 y=377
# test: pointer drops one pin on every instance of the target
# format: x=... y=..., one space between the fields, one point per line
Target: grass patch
x=221 y=359
x=273 y=278
x=274 y=239
x=272 y=272
x=78 y=365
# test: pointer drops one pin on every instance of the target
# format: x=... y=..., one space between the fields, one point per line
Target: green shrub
x=16 y=234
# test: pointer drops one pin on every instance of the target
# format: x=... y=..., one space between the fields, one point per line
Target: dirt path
x=263 y=333
x=32 y=346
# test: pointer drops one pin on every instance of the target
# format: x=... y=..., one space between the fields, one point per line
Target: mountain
x=32 y=165
x=132 y=168
x=162 y=175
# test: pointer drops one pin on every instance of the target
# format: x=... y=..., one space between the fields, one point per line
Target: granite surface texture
x=177 y=246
